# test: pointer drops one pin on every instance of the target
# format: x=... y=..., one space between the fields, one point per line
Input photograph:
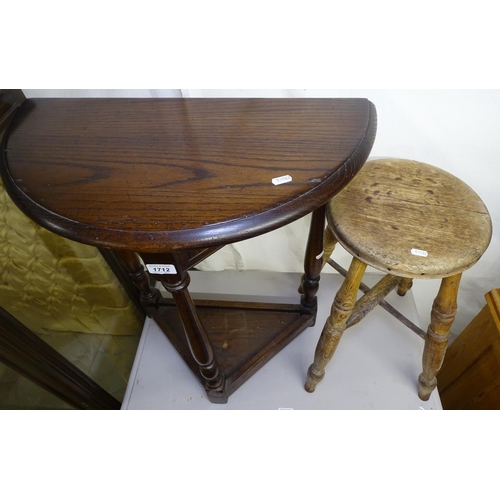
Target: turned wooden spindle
x=335 y=324
x=443 y=314
x=312 y=262
x=371 y=299
x=196 y=336
x=137 y=274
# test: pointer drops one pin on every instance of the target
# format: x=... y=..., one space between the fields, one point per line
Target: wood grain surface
x=470 y=376
x=395 y=208
x=155 y=175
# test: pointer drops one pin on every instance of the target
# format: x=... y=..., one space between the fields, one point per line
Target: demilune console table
x=168 y=182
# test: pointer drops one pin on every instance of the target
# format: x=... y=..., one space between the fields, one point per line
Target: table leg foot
x=217 y=397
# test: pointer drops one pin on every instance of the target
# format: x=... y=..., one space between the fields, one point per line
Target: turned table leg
x=443 y=314
x=197 y=340
x=196 y=336
x=138 y=275
x=335 y=325
x=313 y=262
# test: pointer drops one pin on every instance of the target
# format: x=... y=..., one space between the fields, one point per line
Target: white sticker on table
x=420 y=253
x=281 y=180
x=161 y=268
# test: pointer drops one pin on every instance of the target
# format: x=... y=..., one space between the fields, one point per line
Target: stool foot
x=425 y=388
x=327 y=345
x=443 y=314
x=404 y=285
x=335 y=324
x=313 y=379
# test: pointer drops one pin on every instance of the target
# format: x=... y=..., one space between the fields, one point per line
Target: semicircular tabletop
x=156 y=175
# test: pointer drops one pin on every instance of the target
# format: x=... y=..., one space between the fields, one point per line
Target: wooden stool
x=410 y=220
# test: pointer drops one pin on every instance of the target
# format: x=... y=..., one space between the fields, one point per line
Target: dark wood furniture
x=168 y=182
x=20 y=348
x=27 y=354
x=410 y=220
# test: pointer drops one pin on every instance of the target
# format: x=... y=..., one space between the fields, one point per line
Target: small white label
x=420 y=253
x=281 y=180
x=161 y=268
x=320 y=255
x=285 y=408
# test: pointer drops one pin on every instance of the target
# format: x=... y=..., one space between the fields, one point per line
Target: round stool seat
x=410 y=219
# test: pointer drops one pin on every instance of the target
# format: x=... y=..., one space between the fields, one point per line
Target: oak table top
x=156 y=175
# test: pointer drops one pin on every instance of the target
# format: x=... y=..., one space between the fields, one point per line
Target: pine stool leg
x=329 y=242
x=443 y=314
x=342 y=307
x=404 y=285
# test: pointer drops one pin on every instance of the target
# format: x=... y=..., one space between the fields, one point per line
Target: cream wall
x=457 y=130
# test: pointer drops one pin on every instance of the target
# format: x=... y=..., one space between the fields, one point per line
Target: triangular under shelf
x=244 y=336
